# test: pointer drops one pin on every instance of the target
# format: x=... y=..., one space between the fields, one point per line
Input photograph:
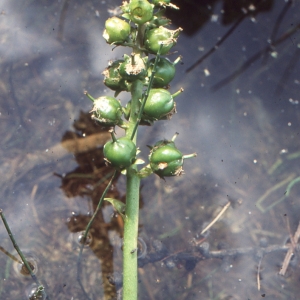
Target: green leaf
x=118 y=205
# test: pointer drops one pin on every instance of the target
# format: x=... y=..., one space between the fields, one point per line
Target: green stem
x=131 y=220
x=136 y=96
x=177 y=93
x=41 y=289
x=113 y=137
x=189 y=155
x=84 y=238
x=89 y=96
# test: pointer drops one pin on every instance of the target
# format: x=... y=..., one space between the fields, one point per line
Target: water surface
x=245 y=131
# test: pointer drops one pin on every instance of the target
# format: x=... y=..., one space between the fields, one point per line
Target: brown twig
x=290 y=253
x=216 y=218
x=258 y=274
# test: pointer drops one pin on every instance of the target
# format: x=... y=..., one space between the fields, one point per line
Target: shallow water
x=246 y=134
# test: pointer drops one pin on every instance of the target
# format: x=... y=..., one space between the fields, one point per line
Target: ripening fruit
x=159 y=105
x=133 y=68
x=113 y=79
x=120 y=153
x=107 y=110
x=140 y=11
x=116 y=30
x=161 y=35
x=165 y=159
x=164 y=72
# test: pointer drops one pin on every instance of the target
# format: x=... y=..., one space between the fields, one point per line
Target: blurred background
x=239 y=112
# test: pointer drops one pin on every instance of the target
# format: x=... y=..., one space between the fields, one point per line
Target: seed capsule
x=164 y=72
x=140 y=11
x=116 y=31
x=113 y=79
x=120 y=153
x=133 y=68
x=159 y=105
x=166 y=159
x=161 y=35
x=107 y=110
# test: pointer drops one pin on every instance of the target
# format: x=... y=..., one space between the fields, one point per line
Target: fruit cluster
x=142 y=27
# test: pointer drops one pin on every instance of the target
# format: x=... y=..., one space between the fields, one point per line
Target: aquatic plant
x=142 y=28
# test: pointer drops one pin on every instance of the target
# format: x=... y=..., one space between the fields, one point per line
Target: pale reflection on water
x=246 y=135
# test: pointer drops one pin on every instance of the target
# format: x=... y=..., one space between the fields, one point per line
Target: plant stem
x=84 y=238
x=136 y=96
x=41 y=289
x=131 y=220
x=130 y=275
x=89 y=96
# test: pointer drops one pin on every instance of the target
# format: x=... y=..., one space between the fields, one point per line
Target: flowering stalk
x=141 y=28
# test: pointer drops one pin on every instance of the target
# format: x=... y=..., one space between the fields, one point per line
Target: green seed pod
x=113 y=79
x=133 y=68
x=162 y=143
x=164 y=72
x=166 y=159
x=116 y=31
x=107 y=110
x=140 y=11
x=120 y=153
x=161 y=35
x=159 y=105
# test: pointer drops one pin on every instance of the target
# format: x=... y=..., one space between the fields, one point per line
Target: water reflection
x=21 y=270
x=239 y=133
